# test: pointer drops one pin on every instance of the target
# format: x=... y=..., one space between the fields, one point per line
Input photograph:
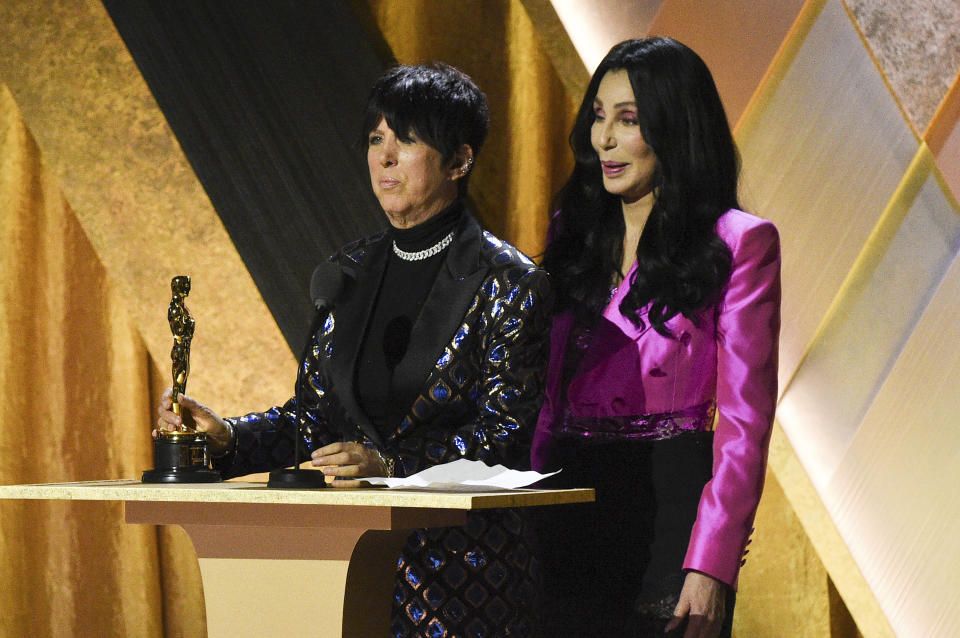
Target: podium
x=278 y=562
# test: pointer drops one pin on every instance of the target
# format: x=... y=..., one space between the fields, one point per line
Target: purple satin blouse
x=635 y=383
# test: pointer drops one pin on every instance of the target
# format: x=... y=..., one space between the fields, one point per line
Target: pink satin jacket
x=730 y=362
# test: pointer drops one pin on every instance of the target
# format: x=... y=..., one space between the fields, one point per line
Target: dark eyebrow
x=598 y=102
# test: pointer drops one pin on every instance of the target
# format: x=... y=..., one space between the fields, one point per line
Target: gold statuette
x=180 y=456
x=181 y=325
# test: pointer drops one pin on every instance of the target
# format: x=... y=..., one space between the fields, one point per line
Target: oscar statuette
x=180 y=456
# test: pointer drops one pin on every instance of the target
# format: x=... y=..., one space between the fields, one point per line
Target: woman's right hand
x=219 y=436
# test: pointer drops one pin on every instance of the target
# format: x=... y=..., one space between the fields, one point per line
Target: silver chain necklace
x=426 y=252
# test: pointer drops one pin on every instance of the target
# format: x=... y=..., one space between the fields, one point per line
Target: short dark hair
x=681 y=261
x=440 y=104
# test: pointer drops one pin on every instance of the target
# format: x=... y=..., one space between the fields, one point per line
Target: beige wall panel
x=822 y=155
x=736 y=38
x=948 y=161
x=874 y=315
x=138 y=200
x=826 y=539
x=559 y=47
x=943 y=137
x=782 y=572
x=894 y=495
x=596 y=26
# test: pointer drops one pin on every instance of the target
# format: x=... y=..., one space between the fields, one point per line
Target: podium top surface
x=242 y=492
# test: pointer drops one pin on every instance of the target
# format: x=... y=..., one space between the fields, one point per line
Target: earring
x=466 y=167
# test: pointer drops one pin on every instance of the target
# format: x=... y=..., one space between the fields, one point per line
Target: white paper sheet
x=464 y=475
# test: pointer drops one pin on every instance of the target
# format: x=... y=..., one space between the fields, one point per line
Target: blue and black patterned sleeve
x=264 y=441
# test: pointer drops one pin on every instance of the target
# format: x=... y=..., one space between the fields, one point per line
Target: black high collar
x=430 y=232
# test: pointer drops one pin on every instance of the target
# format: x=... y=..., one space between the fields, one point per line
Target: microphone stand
x=294 y=478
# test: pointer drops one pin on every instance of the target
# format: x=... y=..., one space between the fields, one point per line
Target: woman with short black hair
x=434 y=350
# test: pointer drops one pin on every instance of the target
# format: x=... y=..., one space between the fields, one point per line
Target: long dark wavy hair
x=682 y=264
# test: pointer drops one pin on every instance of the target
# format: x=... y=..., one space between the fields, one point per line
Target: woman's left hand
x=348 y=459
x=702 y=602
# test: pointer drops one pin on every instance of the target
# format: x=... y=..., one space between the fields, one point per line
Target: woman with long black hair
x=662 y=382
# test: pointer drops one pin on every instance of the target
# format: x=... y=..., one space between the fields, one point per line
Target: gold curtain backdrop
x=84 y=350
x=76 y=386
x=141 y=206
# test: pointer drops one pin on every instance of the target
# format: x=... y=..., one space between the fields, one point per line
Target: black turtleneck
x=403 y=290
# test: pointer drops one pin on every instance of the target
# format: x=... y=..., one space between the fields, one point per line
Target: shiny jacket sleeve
x=264 y=441
x=748 y=326
x=506 y=397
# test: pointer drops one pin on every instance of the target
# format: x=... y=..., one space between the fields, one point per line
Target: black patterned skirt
x=476 y=581
x=613 y=568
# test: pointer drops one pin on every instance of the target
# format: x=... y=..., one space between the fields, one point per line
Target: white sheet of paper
x=464 y=475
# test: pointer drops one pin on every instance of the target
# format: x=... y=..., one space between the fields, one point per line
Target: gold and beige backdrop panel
x=871 y=234
x=76 y=386
x=101 y=210
x=136 y=196
x=98 y=210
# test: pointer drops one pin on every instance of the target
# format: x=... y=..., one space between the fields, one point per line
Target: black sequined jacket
x=479 y=344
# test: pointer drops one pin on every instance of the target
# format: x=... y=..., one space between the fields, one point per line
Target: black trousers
x=614 y=567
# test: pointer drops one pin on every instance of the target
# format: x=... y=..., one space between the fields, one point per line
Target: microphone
x=326 y=283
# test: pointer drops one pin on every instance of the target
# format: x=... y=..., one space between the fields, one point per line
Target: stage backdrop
x=847 y=116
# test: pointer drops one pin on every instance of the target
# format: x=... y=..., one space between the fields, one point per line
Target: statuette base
x=181 y=458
